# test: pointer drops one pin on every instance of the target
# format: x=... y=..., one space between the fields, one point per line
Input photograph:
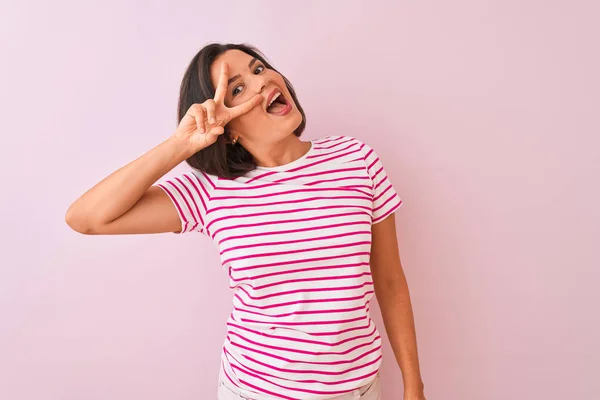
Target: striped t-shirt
x=295 y=240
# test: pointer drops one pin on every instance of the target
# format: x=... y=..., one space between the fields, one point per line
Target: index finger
x=222 y=84
x=246 y=106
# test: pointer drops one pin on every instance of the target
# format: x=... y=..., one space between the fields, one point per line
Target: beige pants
x=370 y=391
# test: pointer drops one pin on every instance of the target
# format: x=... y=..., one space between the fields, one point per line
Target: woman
x=305 y=230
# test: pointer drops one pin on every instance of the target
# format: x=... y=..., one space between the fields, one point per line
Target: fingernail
x=212 y=120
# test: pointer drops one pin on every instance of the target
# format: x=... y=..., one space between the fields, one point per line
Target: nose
x=262 y=84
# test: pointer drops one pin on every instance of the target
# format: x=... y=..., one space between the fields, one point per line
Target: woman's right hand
x=203 y=123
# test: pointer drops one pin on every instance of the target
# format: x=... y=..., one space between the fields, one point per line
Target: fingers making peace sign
x=203 y=123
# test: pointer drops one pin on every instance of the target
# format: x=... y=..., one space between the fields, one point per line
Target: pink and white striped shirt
x=295 y=240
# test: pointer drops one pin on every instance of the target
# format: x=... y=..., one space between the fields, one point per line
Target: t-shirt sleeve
x=385 y=198
x=190 y=194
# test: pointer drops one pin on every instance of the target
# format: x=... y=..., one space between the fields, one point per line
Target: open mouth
x=279 y=105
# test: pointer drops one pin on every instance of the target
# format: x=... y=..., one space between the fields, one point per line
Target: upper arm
x=153 y=213
x=386 y=267
x=177 y=205
x=385 y=197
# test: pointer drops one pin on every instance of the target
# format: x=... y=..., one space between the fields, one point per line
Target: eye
x=235 y=92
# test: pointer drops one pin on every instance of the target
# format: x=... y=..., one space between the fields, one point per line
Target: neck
x=274 y=154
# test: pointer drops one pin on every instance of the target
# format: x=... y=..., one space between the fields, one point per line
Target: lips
x=271 y=95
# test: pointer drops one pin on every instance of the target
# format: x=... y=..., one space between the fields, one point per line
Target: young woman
x=305 y=230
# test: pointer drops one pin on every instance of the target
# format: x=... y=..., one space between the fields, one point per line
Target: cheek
x=251 y=118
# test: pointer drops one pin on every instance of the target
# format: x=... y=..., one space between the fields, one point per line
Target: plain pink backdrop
x=485 y=114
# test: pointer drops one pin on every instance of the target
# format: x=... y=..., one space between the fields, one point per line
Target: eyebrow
x=238 y=75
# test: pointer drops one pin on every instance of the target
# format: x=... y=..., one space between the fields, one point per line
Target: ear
x=231 y=134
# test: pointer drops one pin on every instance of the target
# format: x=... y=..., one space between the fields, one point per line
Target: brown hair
x=221 y=158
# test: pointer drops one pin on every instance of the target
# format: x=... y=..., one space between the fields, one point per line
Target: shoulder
x=360 y=145
x=341 y=138
x=196 y=181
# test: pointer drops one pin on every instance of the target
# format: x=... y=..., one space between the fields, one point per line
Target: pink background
x=485 y=114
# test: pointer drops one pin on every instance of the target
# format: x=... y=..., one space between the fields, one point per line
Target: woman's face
x=248 y=76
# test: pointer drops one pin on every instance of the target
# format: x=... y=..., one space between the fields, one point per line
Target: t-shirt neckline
x=294 y=163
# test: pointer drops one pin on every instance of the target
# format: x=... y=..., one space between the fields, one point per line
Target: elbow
x=77 y=222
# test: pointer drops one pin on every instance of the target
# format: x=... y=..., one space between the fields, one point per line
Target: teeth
x=273 y=99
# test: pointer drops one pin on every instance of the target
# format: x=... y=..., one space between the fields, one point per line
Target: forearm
x=118 y=192
x=396 y=310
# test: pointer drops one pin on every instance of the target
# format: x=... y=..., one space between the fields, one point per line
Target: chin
x=293 y=121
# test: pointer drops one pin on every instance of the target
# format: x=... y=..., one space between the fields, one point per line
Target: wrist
x=183 y=147
x=414 y=388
